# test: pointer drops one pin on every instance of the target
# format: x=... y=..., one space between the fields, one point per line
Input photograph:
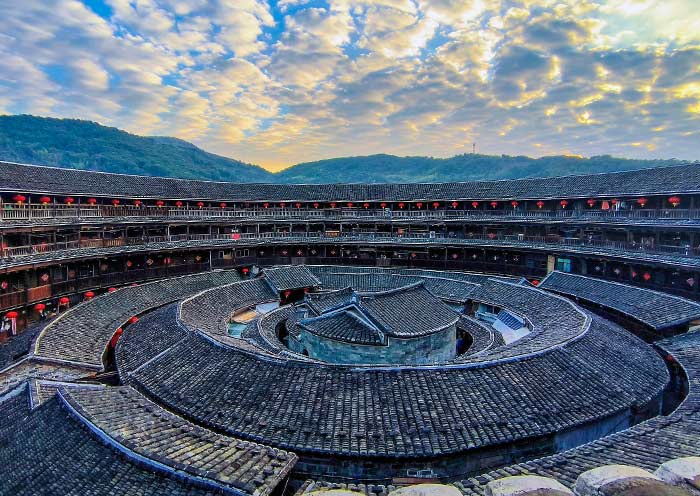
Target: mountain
x=468 y=167
x=87 y=145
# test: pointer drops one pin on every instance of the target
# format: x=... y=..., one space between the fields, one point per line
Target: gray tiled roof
x=655 y=309
x=290 y=277
x=645 y=445
x=82 y=333
x=344 y=325
x=322 y=302
x=310 y=408
x=131 y=421
x=29 y=179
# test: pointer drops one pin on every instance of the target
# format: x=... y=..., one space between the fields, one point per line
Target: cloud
x=281 y=82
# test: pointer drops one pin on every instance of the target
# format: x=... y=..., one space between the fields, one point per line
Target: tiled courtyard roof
x=39 y=179
x=290 y=277
x=653 y=308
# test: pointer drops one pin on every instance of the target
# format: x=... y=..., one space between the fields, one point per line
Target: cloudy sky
x=280 y=82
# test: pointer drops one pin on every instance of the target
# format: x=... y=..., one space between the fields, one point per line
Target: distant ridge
x=87 y=145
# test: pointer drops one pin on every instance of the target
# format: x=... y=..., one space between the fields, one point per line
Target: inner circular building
x=255 y=360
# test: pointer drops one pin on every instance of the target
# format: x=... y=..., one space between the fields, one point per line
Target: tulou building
x=498 y=338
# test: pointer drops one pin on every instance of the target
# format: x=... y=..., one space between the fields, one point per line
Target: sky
x=288 y=81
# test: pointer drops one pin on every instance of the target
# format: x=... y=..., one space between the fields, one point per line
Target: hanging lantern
x=540 y=204
x=12 y=314
x=646 y=276
x=297 y=204
x=455 y=256
x=401 y=205
x=129 y=264
x=200 y=204
x=45 y=200
x=349 y=204
x=365 y=205
x=475 y=204
x=564 y=203
x=222 y=204
x=535 y=282
x=111 y=290
x=675 y=201
x=179 y=204
x=89 y=295
x=245 y=271
x=316 y=205
x=92 y=201
x=454 y=204
x=138 y=203
x=491 y=235
x=333 y=204
x=40 y=307
x=19 y=198
x=64 y=300
x=266 y=205
x=413 y=255
x=514 y=204
x=160 y=203
x=614 y=201
x=419 y=205
x=69 y=201
x=287 y=293
x=133 y=319
x=493 y=204
x=642 y=202
x=590 y=202
x=115 y=202
x=282 y=205
x=383 y=205
x=436 y=205
x=198 y=258
x=605 y=205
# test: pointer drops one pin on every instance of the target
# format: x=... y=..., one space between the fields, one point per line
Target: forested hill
x=468 y=167
x=88 y=145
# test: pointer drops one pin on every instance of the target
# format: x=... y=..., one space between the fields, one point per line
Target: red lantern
x=12 y=314
x=40 y=307
x=45 y=200
x=535 y=282
x=514 y=204
x=89 y=295
x=179 y=204
x=111 y=290
x=436 y=205
x=222 y=204
x=540 y=204
x=419 y=205
x=287 y=294
x=200 y=204
x=349 y=204
x=298 y=205
x=401 y=205
x=383 y=205
x=646 y=276
x=316 y=205
x=333 y=204
x=642 y=202
x=92 y=201
x=614 y=201
x=564 y=203
x=494 y=204
x=475 y=204
x=137 y=203
x=590 y=202
x=133 y=319
x=454 y=204
x=160 y=203
x=366 y=205
x=675 y=201
x=282 y=205
x=245 y=270
x=116 y=202
x=64 y=300
x=19 y=198
x=69 y=200
x=266 y=205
